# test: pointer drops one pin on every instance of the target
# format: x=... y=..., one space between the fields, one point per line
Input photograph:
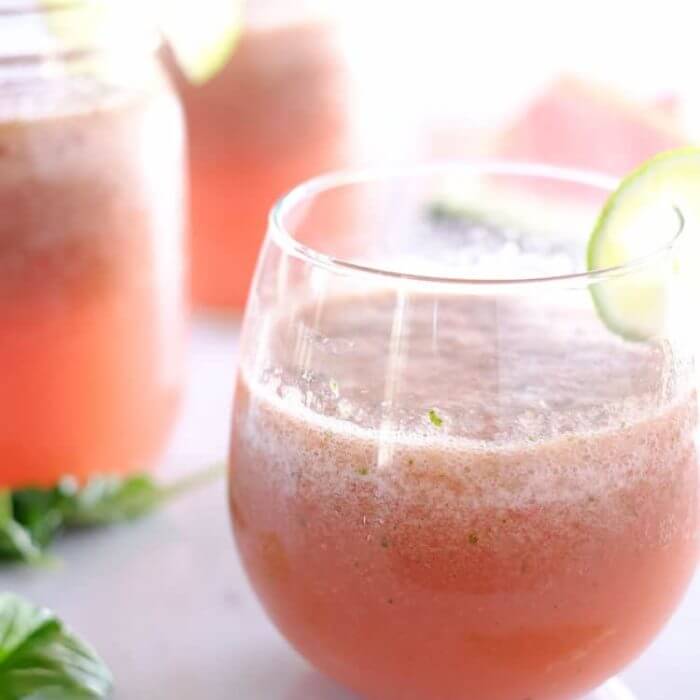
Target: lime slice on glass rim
x=640 y=218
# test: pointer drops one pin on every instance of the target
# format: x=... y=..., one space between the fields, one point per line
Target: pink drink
x=91 y=303
x=275 y=114
x=522 y=541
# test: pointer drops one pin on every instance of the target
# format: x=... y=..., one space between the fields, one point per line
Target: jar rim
x=32 y=7
x=54 y=28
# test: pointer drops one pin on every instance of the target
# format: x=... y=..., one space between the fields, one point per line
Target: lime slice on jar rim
x=202 y=34
x=644 y=216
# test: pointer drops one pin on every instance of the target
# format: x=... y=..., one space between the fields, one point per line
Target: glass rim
x=279 y=233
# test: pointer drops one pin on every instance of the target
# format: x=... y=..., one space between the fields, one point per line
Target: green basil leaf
x=40 y=659
x=106 y=500
x=109 y=499
x=30 y=519
x=40 y=512
x=16 y=543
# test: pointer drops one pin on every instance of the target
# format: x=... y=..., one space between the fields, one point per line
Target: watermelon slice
x=574 y=124
x=583 y=125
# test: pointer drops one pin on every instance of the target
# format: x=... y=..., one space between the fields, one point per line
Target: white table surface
x=167 y=604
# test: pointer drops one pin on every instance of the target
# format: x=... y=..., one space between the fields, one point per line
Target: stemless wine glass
x=452 y=476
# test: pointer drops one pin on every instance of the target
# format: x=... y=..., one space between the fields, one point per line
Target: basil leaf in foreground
x=30 y=519
x=41 y=659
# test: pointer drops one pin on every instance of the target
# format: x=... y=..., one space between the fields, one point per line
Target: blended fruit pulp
x=489 y=498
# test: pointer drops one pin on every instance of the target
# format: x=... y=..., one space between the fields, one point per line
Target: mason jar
x=297 y=97
x=92 y=312
x=277 y=113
